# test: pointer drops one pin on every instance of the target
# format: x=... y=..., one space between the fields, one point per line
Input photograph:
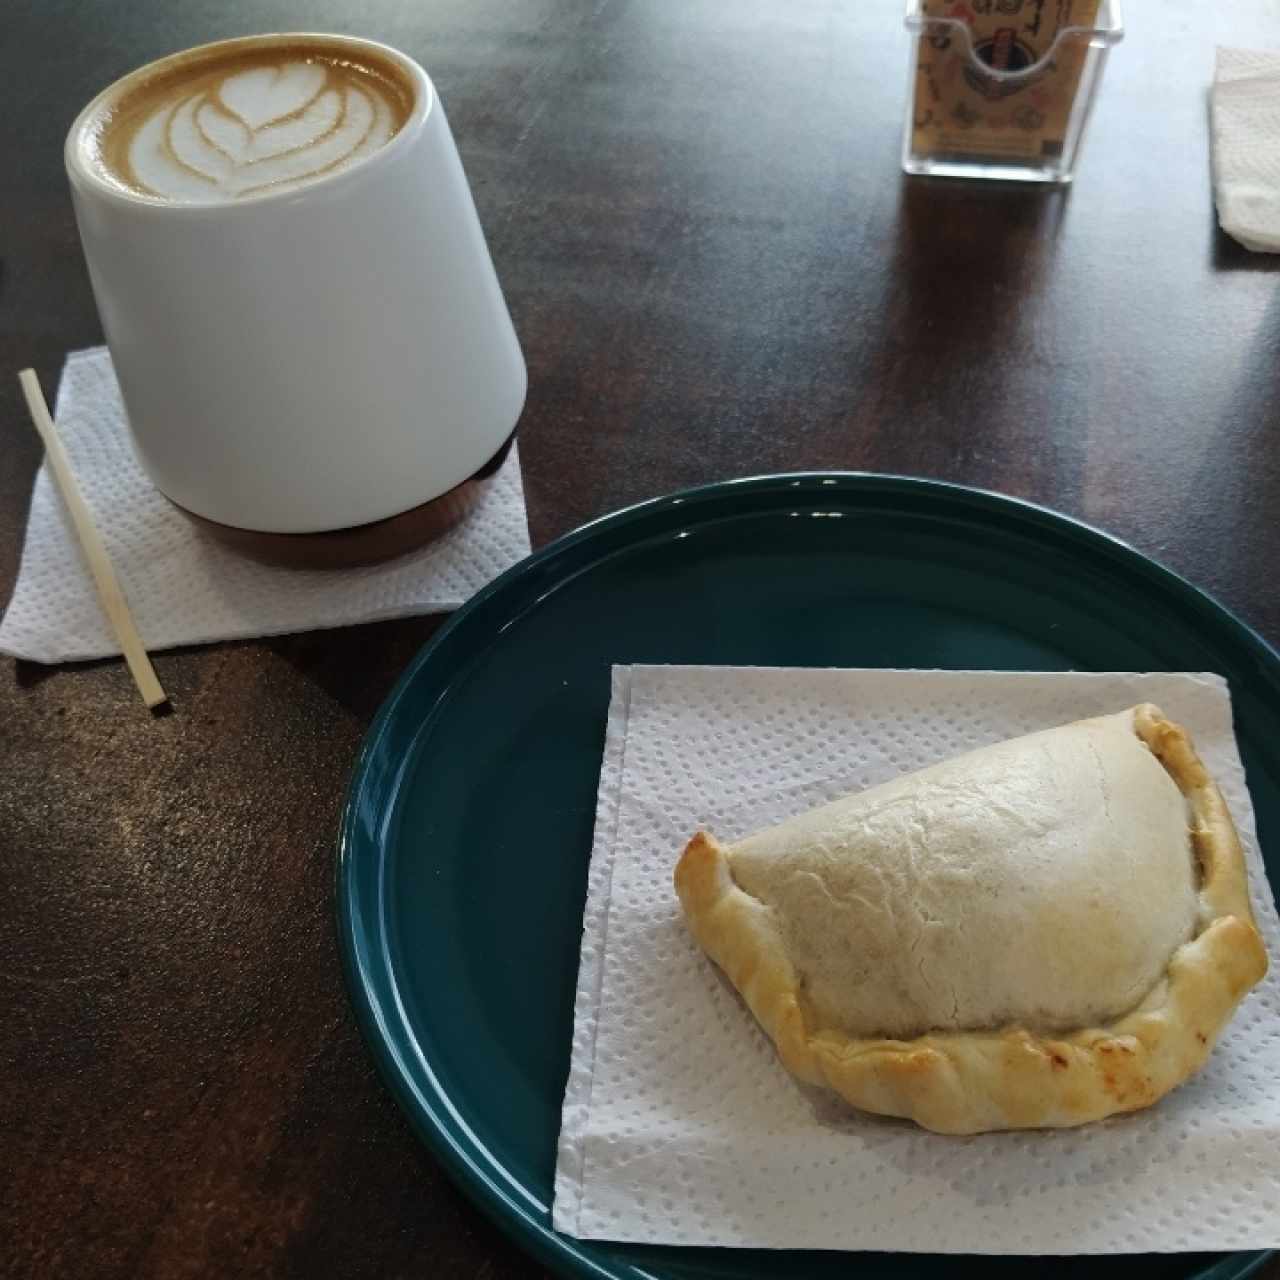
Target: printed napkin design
x=1246 y=146
x=184 y=587
x=680 y=1126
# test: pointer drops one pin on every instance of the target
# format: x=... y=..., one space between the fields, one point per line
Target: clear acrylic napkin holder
x=1025 y=122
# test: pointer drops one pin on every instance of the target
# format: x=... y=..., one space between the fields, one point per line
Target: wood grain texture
x=715 y=269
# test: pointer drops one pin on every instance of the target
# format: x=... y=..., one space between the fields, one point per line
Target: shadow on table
x=1228 y=254
x=970 y=265
x=964 y=244
x=357 y=666
x=28 y=675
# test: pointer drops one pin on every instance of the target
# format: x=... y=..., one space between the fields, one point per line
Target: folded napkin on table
x=681 y=1126
x=1246 y=146
x=185 y=587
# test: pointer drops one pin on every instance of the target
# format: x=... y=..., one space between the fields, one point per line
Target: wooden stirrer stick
x=104 y=577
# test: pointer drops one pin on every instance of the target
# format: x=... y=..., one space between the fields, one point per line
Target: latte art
x=272 y=120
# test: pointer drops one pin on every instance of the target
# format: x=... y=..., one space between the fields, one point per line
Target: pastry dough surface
x=1044 y=880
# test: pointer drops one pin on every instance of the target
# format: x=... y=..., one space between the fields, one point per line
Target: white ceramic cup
x=314 y=358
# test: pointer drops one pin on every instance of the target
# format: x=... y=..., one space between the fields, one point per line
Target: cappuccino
x=311 y=343
x=245 y=118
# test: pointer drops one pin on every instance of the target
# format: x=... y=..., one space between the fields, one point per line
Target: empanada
x=1038 y=933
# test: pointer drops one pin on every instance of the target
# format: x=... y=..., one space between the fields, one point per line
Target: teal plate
x=463 y=854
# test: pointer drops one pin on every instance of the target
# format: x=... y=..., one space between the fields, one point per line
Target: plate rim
x=564 y=1254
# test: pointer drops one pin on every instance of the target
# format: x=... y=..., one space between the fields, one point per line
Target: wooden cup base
x=366 y=543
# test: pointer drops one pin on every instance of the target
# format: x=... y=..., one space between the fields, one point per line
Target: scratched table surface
x=715 y=269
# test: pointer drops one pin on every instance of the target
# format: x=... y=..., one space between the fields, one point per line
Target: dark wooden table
x=716 y=269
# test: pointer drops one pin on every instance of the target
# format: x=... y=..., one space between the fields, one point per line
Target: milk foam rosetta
x=249 y=124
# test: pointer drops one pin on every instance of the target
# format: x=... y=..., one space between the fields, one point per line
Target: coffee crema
x=220 y=124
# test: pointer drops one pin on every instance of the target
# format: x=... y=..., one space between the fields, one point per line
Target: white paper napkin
x=1245 y=111
x=184 y=587
x=680 y=1126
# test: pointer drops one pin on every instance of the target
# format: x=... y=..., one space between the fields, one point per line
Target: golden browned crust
x=972 y=1081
